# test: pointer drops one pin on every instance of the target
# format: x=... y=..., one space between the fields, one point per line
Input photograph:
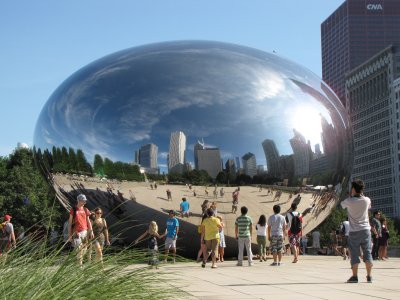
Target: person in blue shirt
x=171 y=233
x=184 y=207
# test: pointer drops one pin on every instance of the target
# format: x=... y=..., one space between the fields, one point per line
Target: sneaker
x=369 y=279
x=280 y=264
x=274 y=264
x=239 y=264
x=353 y=279
x=261 y=260
x=203 y=265
x=251 y=264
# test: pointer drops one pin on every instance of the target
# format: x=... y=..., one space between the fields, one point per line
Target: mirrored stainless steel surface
x=236 y=99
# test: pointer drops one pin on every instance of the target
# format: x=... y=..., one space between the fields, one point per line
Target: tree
x=98 y=165
x=25 y=194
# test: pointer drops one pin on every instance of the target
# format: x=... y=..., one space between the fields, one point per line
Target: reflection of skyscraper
x=198 y=146
x=301 y=154
x=137 y=157
x=209 y=159
x=318 y=152
x=238 y=164
x=249 y=164
x=272 y=157
x=177 y=147
x=148 y=156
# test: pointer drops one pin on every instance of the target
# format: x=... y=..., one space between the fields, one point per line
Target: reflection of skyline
x=139 y=96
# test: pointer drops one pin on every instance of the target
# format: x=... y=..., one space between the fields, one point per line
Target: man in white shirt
x=359 y=231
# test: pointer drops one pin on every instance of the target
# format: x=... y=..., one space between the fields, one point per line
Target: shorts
x=276 y=243
x=294 y=240
x=170 y=243
x=222 y=243
x=5 y=246
x=360 y=239
x=212 y=245
x=345 y=241
x=79 y=238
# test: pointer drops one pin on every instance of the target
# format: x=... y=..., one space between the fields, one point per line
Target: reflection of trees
x=63 y=160
x=71 y=161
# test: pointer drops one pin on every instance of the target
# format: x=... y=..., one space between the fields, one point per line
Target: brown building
x=354 y=33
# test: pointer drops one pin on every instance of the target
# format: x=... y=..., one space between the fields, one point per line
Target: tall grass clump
x=34 y=271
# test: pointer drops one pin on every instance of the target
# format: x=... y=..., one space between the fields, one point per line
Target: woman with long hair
x=261 y=228
x=100 y=232
x=203 y=248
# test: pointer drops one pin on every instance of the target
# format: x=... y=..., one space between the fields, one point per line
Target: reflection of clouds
x=231 y=96
x=226 y=154
x=163 y=155
x=268 y=84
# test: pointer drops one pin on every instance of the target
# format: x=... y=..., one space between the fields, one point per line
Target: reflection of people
x=235 y=200
x=184 y=208
x=360 y=231
x=383 y=240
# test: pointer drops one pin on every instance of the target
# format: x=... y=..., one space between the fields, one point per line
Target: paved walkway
x=313 y=277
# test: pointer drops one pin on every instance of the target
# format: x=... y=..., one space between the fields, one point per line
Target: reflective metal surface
x=237 y=99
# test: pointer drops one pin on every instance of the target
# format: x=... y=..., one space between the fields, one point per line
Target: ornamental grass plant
x=33 y=270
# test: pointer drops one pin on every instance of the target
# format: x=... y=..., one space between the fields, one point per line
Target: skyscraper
x=353 y=33
x=176 y=154
x=148 y=156
x=249 y=164
x=373 y=96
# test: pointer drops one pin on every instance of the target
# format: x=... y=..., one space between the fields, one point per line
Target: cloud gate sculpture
x=174 y=107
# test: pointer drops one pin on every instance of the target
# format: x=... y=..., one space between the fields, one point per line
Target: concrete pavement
x=313 y=277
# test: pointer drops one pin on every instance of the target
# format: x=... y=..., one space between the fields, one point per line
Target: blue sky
x=43 y=42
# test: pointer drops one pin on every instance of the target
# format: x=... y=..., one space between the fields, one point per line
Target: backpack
x=343 y=231
x=295 y=225
x=3 y=231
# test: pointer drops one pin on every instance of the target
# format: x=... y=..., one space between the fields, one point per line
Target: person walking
x=243 y=233
x=360 y=230
x=276 y=234
x=184 y=208
x=171 y=233
x=316 y=236
x=80 y=227
x=210 y=234
x=7 y=235
x=100 y=232
x=235 y=200
x=261 y=228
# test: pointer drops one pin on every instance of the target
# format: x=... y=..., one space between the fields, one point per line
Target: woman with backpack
x=152 y=243
x=100 y=232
